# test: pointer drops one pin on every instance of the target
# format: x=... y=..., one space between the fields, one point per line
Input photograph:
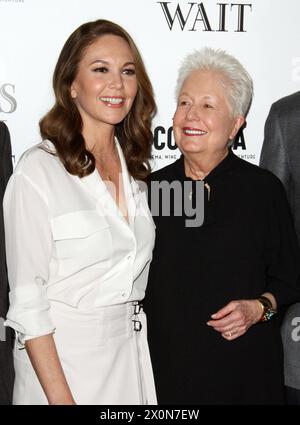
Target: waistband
x=119 y=312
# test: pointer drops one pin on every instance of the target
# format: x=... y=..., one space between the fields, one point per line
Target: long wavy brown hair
x=62 y=125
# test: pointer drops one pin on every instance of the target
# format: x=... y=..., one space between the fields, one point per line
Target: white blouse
x=67 y=241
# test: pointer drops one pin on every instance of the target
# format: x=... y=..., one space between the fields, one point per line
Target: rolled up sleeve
x=28 y=242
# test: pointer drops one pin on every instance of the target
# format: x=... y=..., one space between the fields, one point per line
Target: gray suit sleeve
x=274 y=156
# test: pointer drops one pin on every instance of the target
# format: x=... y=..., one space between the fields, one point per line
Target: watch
x=267 y=309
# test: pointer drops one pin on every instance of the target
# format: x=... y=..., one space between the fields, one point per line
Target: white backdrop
x=263 y=34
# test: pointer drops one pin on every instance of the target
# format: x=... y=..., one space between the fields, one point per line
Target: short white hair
x=238 y=83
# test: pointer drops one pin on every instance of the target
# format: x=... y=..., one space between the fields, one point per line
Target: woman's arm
x=44 y=358
x=29 y=247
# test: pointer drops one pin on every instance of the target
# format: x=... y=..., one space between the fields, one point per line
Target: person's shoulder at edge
x=4 y=133
x=3 y=126
x=287 y=104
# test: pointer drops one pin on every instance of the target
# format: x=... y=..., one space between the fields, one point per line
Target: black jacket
x=246 y=246
x=6 y=362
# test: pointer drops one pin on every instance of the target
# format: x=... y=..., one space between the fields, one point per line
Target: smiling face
x=105 y=86
x=203 y=123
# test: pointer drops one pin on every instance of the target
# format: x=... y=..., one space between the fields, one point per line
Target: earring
x=73 y=94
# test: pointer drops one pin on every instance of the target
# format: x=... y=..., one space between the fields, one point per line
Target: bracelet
x=267 y=309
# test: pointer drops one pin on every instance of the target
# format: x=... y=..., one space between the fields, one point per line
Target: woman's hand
x=233 y=320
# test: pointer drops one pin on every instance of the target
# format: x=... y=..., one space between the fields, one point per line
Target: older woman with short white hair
x=214 y=289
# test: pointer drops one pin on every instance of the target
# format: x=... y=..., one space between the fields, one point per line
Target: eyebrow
x=207 y=96
x=107 y=63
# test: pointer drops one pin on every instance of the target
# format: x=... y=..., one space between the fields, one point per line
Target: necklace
x=107 y=176
x=103 y=163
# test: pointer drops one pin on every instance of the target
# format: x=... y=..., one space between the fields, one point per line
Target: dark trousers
x=6 y=369
x=292 y=395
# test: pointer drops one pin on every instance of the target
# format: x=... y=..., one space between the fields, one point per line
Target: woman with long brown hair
x=79 y=234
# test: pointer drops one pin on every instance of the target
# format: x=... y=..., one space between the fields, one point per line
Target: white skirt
x=104 y=355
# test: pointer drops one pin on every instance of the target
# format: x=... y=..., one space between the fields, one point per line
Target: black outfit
x=6 y=361
x=246 y=246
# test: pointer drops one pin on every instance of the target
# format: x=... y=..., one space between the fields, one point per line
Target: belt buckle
x=137 y=307
x=137 y=326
